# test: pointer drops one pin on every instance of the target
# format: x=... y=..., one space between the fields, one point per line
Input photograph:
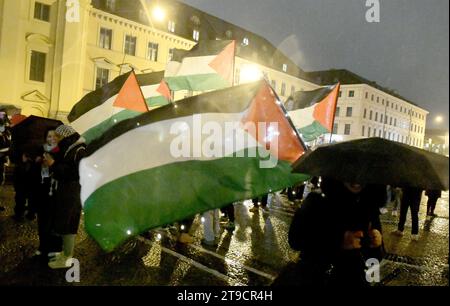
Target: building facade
x=366 y=109
x=437 y=141
x=53 y=52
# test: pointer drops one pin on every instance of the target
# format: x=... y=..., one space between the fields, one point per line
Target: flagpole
x=334 y=113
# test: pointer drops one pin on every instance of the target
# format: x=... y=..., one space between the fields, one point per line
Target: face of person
x=52 y=138
x=354 y=188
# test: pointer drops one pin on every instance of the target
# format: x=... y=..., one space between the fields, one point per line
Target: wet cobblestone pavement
x=254 y=254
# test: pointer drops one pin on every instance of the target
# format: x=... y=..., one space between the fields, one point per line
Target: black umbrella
x=377 y=161
x=30 y=133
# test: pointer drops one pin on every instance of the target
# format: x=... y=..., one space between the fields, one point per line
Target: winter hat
x=65 y=131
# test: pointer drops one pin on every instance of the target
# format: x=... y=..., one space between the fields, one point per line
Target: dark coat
x=67 y=212
x=436 y=194
x=318 y=228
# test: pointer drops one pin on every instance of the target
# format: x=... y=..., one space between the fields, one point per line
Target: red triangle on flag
x=164 y=90
x=130 y=96
x=223 y=63
x=325 y=109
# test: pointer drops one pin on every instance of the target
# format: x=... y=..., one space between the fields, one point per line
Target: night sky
x=407 y=51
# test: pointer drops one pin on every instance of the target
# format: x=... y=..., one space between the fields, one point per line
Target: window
x=395 y=121
x=152 y=52
x=245 y=41
x=387 y=103
x=386 y=119
x=351 y=93
x=392 y=105
x=196 y=35
x=398 y=137
x=382 y=102
x=365 y=113
x=347 y=129
x=390 y=121
x=37 y=66
x=171 y=26
x=349 y=111
x=370 y=116
x=274 y=85
x=105 y=38
x=363 y=130
x=396 y=107
x=335 y=128
x=340 y=93
x=130 y=45
x=374 y=132
x=101 y=78
x=111 y=5
x=367 y=95
x=389 y=135
x=401 y=109
x=283 y=89
x=292 y=90
x=371 y=98
x=285 y=67
x=376 y=116
x=171 y=51
x=381 y=118
x=379 y=133
x=368 y=132
x=378 y=99
x=337 y=111
x=41 y=11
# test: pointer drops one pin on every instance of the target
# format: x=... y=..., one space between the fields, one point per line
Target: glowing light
x=158 y=14
x=293 y=192
x=202 y=219
x=182 y=227
x=158 y=237
x=115 y=120
x=128 y=232
x=439 y=119
x=250 y=73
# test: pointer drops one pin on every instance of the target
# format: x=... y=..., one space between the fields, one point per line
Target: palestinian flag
x=312 y=112
x=207 y=66
x=125 y=97
x=189 y=157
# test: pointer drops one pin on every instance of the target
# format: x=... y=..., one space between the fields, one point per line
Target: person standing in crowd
x=397 y=193
x=228 y=211
x=42 y=195
x=67 y=209
x=211 y=227
x=260 y=201
x=384 y=209
x=23 y=182
x=433 y=196
x=411 y=200
x=336 y=232
x=311 y=186
x=5 y=143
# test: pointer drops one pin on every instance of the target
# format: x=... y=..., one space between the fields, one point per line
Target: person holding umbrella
x=67 y=211
x=336 y=232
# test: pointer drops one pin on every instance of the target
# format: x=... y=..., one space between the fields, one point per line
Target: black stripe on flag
x=304 y=99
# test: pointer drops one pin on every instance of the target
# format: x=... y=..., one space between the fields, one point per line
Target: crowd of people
x=336 y=228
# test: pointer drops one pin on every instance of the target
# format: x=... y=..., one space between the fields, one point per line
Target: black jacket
x=318 y=228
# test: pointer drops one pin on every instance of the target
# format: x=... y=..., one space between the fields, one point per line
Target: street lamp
x=158 y=14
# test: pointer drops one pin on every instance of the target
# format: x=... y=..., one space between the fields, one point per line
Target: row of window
x=105 y=42
x=390 y=135
x=402 y=109
x=348 y=113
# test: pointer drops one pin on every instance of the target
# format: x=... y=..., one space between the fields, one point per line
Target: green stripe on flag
x=312 y=131
x=198 y=82
x=119 y=210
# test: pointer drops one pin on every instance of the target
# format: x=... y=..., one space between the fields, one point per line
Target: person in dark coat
x=5 y=143
x=433 y=196
x=411 y=200
x=42 y=196
x=67 y=211
x=336 y=232
x=22 y=182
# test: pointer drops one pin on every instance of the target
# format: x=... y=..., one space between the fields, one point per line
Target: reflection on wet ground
x=254 y=254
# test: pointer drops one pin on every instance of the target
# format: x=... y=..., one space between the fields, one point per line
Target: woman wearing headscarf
x=67 y=212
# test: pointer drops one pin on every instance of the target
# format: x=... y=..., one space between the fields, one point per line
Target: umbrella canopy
x=30 y=132
x=377 y=161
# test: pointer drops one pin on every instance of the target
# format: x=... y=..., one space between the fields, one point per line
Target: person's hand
x=49 y=159
x=352 y=240
x=376 y=239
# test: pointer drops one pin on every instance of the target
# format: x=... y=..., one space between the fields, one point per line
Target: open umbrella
x=30 y=132
x=377 y=161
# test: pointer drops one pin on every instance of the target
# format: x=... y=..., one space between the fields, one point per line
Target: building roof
x=346 y=77
x=188 y=18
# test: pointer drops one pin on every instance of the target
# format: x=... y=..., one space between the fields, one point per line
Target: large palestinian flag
x=195 y=155
x=207 y=66
x=125 y=97
x=312 y=112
